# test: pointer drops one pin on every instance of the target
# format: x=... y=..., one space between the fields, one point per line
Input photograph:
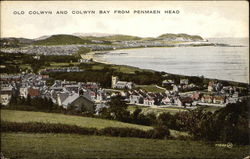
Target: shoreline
x=100 y=60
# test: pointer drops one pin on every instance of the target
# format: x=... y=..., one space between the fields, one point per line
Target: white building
x=23 y=92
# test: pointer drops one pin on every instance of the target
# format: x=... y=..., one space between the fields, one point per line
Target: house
x=207 y=99
x=10 y=78
x=100 y=106
x=210 y=86
x=219 y=100
x=83 y=104
x=196 y=95
x=23 y=92
x=101 y=95
x=37 y=57
x=175 y=88
x=167 y=82
x=45 y=77
x=5 y=95
x=34 y=92
x=184 y=81
x=148 y=101
x=85 y=60
x=135 y=99
x=184 y=101
x=167 y=101
x=124 y=85
x=71 y=88
x=232 y=100
x=70 y=98
x=61 y=97
x=218 y=87
x=177 y=101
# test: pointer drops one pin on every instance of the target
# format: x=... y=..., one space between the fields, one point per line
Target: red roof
x=33 y=92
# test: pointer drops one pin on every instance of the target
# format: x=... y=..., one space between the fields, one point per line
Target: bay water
x=225 y=63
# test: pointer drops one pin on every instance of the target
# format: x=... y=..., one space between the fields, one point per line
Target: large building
x=115 y=83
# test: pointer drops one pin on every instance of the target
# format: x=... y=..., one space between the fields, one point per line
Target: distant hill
x=94 y=34
x=42 y=37
x=179 y=37
x=113 y=38
x=93 y=38
x=14 y=42
x=62 y=40
x=122 y=38
x=164 y=37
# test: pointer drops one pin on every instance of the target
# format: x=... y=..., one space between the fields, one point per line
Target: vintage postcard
x=124 y=79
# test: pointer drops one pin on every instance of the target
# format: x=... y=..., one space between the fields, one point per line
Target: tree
x=117 y=109
x=166 y=119
x=135 y=114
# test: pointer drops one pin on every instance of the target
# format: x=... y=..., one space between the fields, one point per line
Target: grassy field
x=62 y=146
x=28 y=116
x=125 y=69
x=151 y=88
x=63 y=64
x=117 y=68
x=210 y=108
x=147 y=110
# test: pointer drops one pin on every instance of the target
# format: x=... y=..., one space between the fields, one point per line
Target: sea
x=216 y=62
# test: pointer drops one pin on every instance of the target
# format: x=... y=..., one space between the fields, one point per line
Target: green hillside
x=14 y=42
x=68 y=146
x=54 y=118
x=62 y=40
x=29 y=116
x=114 y=38
x=184 y=36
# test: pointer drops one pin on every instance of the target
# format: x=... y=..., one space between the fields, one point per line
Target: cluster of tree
x=12 y=62
x=10 y=69
x=9 y=43
x=34 y=104
x=117 y=110
x=36 y=127
x=229 y=124
x=104 y=78
x=141 y=77
x=58 y=58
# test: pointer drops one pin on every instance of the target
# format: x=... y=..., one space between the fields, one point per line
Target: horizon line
x=112 y=34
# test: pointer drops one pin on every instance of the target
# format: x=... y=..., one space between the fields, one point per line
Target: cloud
x=208 y=19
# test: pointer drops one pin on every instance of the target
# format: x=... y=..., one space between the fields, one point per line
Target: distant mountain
x=62 y=39
x=179 y=37
x=106 y=37
x=94 y=34
x=94 y=38
x=19 y=40
x=43 y=37
x=119 y=37
x=14 y=42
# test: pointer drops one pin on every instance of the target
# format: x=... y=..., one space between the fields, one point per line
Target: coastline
x=95 y=58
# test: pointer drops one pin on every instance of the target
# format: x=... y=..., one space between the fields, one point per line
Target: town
x=93 y=97
x=97 y=45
